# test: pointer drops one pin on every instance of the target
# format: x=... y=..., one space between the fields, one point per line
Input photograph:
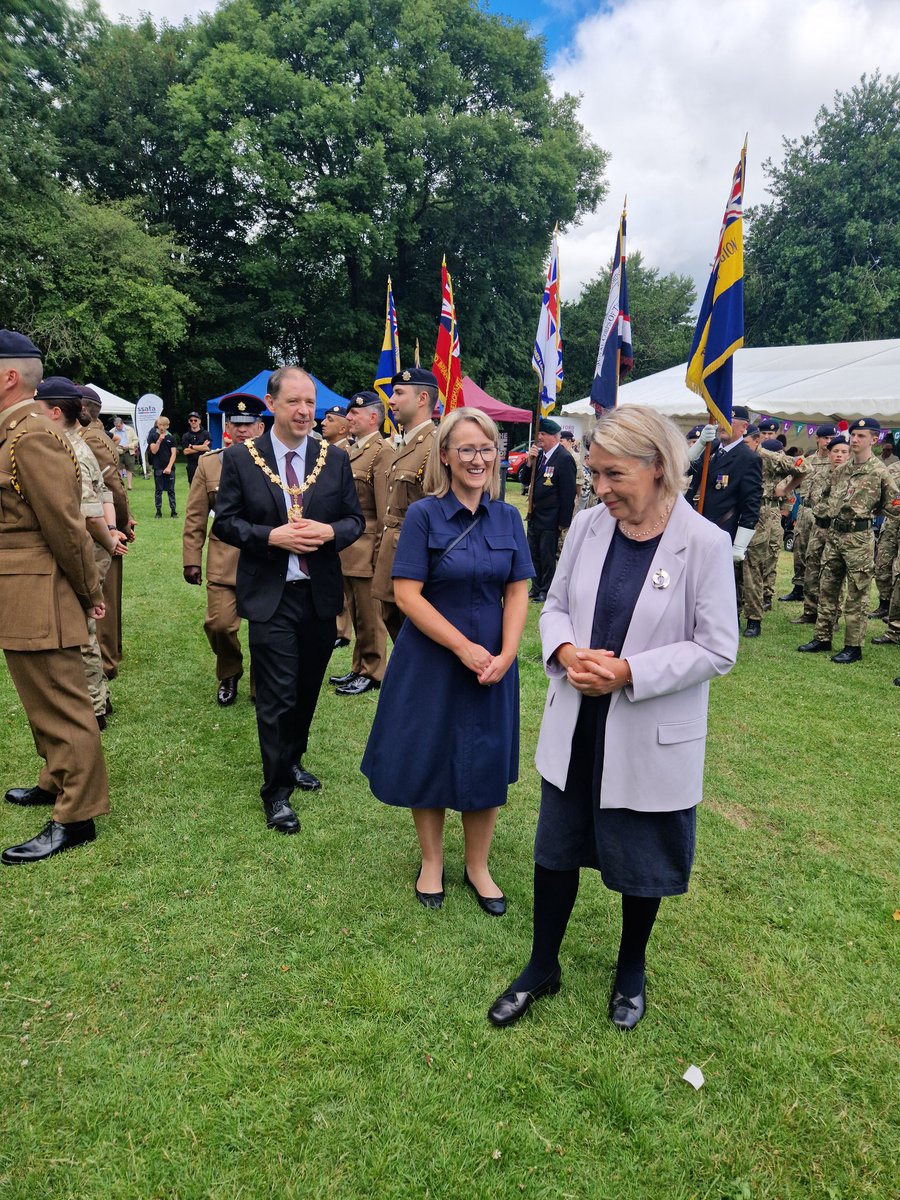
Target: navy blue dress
x=440 y=739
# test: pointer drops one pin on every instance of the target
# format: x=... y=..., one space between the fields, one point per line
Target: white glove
x=707 y=434
x=742 y=540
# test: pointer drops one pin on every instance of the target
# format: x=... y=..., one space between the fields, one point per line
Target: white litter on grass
x=694 y=1076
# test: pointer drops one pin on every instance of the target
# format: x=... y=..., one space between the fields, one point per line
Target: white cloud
x=171 y=11
x=670 y=89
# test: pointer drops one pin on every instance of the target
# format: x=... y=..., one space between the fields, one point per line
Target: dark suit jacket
x=733 y=487
x=249 y=507
x=552 y=503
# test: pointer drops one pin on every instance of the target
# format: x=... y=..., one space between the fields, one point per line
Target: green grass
x=195 y=1007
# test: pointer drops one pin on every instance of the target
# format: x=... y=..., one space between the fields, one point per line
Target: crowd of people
x=317 y=538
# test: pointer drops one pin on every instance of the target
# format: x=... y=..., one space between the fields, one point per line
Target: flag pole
x=622 y=248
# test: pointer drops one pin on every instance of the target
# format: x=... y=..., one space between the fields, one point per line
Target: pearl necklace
x=639 y=534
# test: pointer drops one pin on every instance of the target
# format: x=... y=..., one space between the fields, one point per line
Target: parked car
x=516 y=458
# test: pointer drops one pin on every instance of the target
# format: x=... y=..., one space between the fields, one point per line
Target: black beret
x=241 y=408
x=567 y=435
x=839 y=439
x=752 y=431
x=17 y=345
x=88 y=393
x=769 y=425
x=365 y=400
x=826 y=431
x=773 y=444
x=695 y=431
x=548 y=426
x=416 y=375
x=740 y=412
x=334 y=411
x=865 y=423
x=57 y=387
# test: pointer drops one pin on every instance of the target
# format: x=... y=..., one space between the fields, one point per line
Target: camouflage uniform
x=93 y=490
x=888 y=545
x=815 y=465
x=762 y=553
x=815 y=499
x=855 y=493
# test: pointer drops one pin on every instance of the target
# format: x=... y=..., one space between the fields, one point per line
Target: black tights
x=554 y=899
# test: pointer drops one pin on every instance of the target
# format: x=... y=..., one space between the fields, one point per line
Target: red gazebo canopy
x=476 y=397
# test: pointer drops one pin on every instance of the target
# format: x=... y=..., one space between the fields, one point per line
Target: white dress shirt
x=281 y=452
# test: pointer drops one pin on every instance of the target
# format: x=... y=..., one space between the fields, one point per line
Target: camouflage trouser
x=885 y=555
x=847 y=556
x=815 y=548
x=761 y=562
x=98 y=688
x=803 y=528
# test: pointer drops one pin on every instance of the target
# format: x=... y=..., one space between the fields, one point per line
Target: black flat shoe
x=626 y=1011
x=494 y=906
x=512 y=1005
x=429 y=899
x=814 y=647
x=280 y=816
x=339 y=642
x=226 y=693
x=53 y=839
x=356 y=687
x=305 y=780
x=342 y=680
x=29 y=796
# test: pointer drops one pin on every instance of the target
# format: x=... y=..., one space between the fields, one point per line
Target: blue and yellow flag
x=720 y=325
x=388 y=360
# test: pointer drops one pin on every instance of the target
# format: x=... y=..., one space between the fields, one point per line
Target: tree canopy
x=822 y=258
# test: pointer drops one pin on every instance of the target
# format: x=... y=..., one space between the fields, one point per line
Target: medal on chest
x=721 y=482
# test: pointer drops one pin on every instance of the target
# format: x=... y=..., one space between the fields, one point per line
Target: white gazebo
x=112 y=405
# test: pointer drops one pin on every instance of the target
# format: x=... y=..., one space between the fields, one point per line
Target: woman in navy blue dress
x=446 y=732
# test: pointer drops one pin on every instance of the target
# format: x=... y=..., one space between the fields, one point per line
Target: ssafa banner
x=146 y=412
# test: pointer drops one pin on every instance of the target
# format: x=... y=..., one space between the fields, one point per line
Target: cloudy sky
x=669 y=88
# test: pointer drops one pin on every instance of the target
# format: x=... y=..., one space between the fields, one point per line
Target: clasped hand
x=301 y=536
x=593 y=672
x=490 y=668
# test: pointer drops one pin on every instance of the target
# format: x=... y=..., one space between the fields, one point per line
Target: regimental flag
x=446 y=365
x=546 y=357
x=720 y=325
x=615 y=355
x=388 y=360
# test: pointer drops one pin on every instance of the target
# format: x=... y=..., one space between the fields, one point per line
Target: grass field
x=196 y=1007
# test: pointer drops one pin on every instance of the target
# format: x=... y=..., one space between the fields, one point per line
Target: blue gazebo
x=257 y=386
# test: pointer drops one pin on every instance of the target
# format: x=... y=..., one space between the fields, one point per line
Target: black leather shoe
x=849 y=654
x=429 y=899
x=880 y=612
x=767 y=606
x=626 y=1011
x=362 y=683
x=305 y=780
x=159 y=516
x=897 y=681
x=494 y=906
x=539 y=598
x=174 y=513
x=341 y=680
x=754 y=629
x=796 y=593
x=804 y=619
x=28 y=796
x=53 y=839
x=101 y=721
x=814 y=647
x=511 y=1005
x=339 y=642
x=885 y=640
x=280 y=816
x=226 y=693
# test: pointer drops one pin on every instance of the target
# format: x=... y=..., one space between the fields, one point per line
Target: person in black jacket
x=552 y=473
x=289 y=503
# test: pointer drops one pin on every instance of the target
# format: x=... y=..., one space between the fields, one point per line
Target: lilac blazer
x=680 y=636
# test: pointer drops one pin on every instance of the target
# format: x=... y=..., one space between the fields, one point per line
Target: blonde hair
x=635 y=431
x=436 y=481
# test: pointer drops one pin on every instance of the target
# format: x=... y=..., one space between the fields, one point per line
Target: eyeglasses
x=467 y=453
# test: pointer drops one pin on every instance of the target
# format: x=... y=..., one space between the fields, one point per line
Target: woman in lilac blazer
x=640 y=617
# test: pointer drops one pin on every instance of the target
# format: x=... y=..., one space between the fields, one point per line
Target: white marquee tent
x=113 y=406
x=795 y=383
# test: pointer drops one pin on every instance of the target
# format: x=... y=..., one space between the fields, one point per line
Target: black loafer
x=339 y=642
x=342 y=680
x=814 y=647
x=280 y=816
x=849 y=654
x=226 y=693
x=29 y=796
x=429 y=899
x=356 y=687
x=754 y=629
x=494 y=906
x=511 y=1006
x=53 y=839
x=626 y=1011
x=305 y=780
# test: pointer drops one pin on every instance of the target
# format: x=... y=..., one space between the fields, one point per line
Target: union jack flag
x=546 y=358
x=446 y=365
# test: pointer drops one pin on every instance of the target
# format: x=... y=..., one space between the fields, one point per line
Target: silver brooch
x=660 y=579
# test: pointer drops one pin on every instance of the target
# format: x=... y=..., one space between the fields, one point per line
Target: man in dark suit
x=288 y=502
x=552 y=474
x=733 y=494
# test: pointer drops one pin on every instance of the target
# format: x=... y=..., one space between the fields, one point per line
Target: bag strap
x=459 y=537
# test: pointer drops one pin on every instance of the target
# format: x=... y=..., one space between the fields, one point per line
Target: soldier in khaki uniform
x=336 y=432
x=243 y=420
x=398 y=479
x=816 y=500
x=109 y=631
x=805 y=523
x=364 y=414
x=48 y=582
x=886 y=554
x=760 y=563
x=855 y=493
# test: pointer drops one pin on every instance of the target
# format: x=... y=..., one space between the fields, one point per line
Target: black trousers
x=290 y=654
x=542 y=543
x=164 y=483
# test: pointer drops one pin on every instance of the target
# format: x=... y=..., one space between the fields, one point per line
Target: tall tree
x=661 y=308
x=823 y=257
